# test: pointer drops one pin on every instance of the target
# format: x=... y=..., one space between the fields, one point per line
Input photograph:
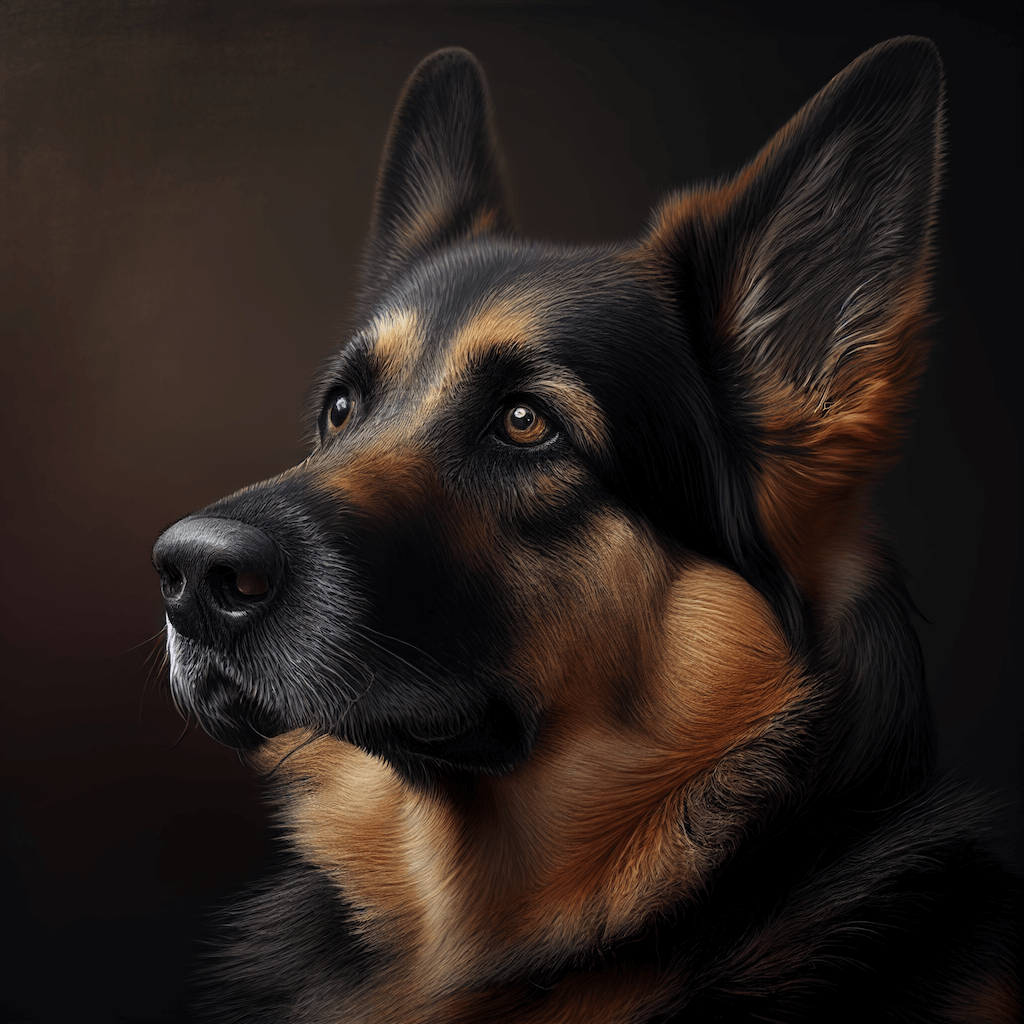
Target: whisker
x=142 y=643
x=155 y=663
x=421 y=672
x=184 y=730
x=305 y=743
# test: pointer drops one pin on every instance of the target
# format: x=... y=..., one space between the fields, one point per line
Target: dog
x=586 y=684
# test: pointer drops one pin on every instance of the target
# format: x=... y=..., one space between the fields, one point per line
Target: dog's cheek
x=617 y=630
x=471 y=553
x=586 y=613
x=427 y=568
x=726 y=669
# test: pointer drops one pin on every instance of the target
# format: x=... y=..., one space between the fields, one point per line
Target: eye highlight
x=522 y=424
x=337 y=409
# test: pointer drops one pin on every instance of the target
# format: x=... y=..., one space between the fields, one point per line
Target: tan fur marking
x=566 y=391
x=510 y=322
x=383 y=478
x=484 y=222
x=688 y=211
x=430 y=219
x=397 y=341
x=832 y=447
x=506 y=319
x=392 y=852
x=603 y=795
x=382 y=481
x=728 y=653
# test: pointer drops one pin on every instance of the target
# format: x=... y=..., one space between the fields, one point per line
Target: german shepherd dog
x=585 y=682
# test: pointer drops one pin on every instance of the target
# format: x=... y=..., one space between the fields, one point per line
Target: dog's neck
x=473 y=886
x=451 y=882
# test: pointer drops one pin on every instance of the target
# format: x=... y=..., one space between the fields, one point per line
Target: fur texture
x=585 y=683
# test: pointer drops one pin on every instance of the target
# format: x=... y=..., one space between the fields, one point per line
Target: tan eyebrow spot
x=507 y=320
x=566 y=391
x=398 y=340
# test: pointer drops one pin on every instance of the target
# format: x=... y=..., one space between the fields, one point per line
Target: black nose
x=215 y=574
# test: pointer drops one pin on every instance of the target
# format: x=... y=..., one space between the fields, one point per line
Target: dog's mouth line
x=244 y=710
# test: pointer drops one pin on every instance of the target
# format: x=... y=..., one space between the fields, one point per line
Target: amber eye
x=524 y=425
x=339 y=407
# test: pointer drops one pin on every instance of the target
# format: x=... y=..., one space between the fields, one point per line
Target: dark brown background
x=185 y=190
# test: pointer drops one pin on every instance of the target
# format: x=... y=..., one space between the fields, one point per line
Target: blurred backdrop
x=185 y=189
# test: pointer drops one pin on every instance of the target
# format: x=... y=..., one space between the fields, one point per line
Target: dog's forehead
x=573 y=327
x=556 y=309
x=421 y=339
x=454 y=308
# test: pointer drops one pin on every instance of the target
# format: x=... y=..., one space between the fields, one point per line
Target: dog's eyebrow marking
x=396 y=339
x=512 y=319
x=513 y=323
x=567 y=394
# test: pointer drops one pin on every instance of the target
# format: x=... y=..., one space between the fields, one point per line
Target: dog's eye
x=522 y=424
x=339 y=408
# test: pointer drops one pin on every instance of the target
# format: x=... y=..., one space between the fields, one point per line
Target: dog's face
x=467 y=532
x=617 y=488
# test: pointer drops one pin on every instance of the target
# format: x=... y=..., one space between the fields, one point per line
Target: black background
x=185 y=191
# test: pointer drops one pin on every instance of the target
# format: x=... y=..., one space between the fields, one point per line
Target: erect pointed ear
x=441 y=178
x=804 y=283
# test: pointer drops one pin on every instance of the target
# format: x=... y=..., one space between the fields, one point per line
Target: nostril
x=235 y=590
x=172 y=583
x=252 y=584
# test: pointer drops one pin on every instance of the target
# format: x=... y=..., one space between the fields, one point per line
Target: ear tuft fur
x=805 y=285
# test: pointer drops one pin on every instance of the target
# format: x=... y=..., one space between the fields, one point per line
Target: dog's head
x=586 y=491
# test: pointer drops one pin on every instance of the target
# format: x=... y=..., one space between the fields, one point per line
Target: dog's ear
x=441 y=178
x=804 y=285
